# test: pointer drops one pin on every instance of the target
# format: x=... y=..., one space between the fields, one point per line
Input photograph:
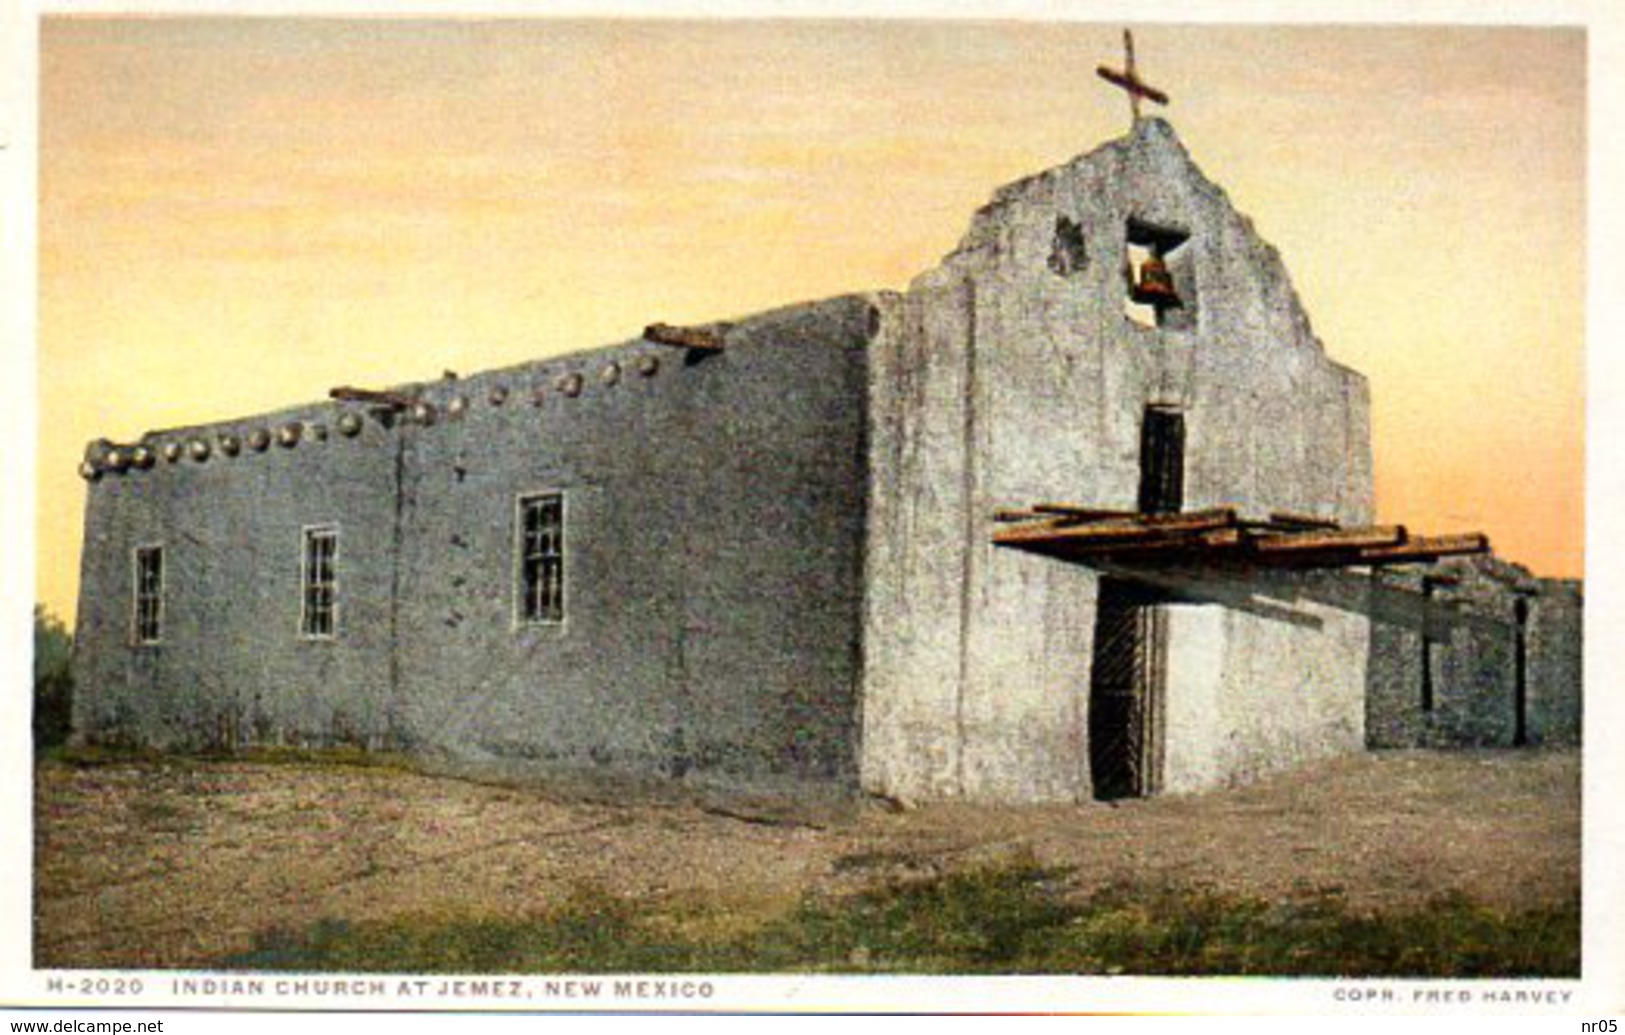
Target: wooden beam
x=1007 y=515
x=1061 y=514
x=1426 y=548
x=1285 y=539
x=1341 y=539
x=394 y=400
x=1218 y=541
x=1414 y=550
x=1292 y=520
x=1140 y=527
x=1225 y=516
x=1133 y=86
x=696 y=338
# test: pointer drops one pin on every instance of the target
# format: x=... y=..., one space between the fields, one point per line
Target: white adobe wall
x=1008 y=376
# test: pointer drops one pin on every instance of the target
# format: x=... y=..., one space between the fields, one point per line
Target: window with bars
x=540 y=546
x=319 y=579
x=149 y=594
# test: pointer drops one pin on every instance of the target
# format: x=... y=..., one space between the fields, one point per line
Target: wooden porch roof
x=1281 y=540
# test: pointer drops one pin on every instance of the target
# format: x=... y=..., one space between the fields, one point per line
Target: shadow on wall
x=1281 y=595
x=1486 y=656
x=1472 y=652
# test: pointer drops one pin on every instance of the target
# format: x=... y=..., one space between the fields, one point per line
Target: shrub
x=53 y=680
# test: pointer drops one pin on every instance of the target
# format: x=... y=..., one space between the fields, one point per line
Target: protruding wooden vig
x=695 y=339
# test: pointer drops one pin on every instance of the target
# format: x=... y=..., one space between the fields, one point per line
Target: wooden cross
x=1129 y=80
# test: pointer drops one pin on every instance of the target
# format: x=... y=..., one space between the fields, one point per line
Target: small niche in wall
x=1159 y=276
x=1068 y=253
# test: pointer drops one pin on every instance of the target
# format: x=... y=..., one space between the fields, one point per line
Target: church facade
x=1023 y=369
x=780 y=552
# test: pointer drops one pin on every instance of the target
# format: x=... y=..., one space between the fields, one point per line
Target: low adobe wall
x=1478 y=622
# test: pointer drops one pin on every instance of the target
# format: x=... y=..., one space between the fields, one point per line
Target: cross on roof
x=1129 y=81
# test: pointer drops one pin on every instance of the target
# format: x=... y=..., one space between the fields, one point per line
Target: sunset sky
x=236 y=215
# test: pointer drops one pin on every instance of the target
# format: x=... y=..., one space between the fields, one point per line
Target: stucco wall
x=231 y=667
x=714 y=530
x=715 y=526
x=1266 y=670
x=1009 y=376
x=1556 y=663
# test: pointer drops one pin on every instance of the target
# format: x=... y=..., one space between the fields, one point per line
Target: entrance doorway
x=1125 y=691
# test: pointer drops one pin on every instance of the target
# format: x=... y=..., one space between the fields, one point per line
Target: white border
x=1603 y=989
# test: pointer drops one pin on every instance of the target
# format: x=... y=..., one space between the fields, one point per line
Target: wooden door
x=1125 y=736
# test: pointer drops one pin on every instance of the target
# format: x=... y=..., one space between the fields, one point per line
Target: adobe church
x=1084 y=513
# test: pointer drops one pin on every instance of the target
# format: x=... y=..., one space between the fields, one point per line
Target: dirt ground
x=177 y=864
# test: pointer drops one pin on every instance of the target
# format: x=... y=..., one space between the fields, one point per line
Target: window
x=149 y=594
x=1162 y=461
x=319 y=584
x=540 y=546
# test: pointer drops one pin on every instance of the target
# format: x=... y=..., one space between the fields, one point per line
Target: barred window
x=320 y=583
x=149 y=594
x=540 y=546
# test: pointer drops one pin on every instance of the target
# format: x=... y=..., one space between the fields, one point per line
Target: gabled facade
x=1021 y=370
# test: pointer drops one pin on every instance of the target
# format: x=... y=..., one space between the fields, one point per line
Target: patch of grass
x=1180 y=932
x=91 y=756
x=882 y=859
x=158 y=814
x=1014 y=918
x=588 y=932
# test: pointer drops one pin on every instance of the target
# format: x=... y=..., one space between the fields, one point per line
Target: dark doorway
x=1125 y=692
x=1520 y=669
x=1429 y=587
x=1162 y=461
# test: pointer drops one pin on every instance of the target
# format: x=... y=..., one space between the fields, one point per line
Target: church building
x=1086 y=512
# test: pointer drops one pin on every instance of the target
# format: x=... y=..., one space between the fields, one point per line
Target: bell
x=1155 y=286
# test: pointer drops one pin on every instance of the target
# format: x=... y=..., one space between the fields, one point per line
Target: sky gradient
x=236 y=215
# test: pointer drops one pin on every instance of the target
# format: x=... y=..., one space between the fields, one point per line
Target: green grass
x=91 y=756
x=1012 y=919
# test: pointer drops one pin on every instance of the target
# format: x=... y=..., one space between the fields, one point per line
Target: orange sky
x=236 y=215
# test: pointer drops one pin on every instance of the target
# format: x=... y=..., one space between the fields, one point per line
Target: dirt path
x=177 y=864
